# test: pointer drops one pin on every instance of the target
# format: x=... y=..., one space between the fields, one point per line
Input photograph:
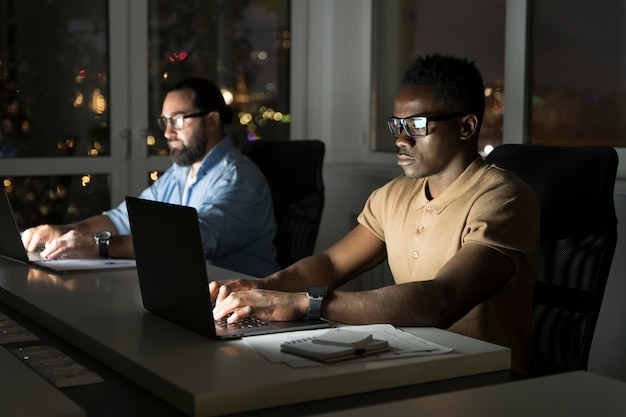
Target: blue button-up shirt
x=234 y=205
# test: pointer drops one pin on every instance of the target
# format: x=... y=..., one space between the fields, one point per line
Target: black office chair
x=294 y=172
x=578 y=237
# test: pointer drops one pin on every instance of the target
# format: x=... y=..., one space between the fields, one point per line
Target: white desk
x=102 y=314
x=575 y=394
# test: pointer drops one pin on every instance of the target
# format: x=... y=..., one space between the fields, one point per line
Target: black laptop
x=173 y=274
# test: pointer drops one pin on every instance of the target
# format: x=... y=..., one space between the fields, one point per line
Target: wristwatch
x=316 y=294
x=103 y=238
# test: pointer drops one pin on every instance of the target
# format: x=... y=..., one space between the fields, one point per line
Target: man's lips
x=405 y=160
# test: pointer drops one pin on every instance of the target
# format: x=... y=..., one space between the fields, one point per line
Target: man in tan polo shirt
x=460 y=236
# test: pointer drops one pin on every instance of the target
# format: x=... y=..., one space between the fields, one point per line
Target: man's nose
x=404 y=141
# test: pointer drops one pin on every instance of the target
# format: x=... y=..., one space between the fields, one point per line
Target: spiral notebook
x=336 y=345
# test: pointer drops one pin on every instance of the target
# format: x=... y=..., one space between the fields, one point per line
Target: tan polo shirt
x=485 y=205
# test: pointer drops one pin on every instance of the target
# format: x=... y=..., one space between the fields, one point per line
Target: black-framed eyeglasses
x=177 y=121
x=417 y=126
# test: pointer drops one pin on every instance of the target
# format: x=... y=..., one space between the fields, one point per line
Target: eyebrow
x=431 y=114
x=177 y=113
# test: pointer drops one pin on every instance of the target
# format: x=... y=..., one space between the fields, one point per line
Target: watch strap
x=103 y=239
x=316 y=294
x=103 y=247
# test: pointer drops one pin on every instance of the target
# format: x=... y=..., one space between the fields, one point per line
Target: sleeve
x=164 y=189
x=119 y=217
x=505 y=217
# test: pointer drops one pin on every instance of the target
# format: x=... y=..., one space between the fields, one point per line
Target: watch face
x=103 y=235
x=316 y=290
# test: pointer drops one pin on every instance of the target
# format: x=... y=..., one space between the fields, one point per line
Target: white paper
x=402 y=345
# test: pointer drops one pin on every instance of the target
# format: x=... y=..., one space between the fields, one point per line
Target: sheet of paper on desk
x=402 y=345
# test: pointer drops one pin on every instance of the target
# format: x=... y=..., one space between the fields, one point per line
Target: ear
x=469 y=126
x=213 y=119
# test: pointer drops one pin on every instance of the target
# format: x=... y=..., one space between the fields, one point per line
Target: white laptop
x=11 y=247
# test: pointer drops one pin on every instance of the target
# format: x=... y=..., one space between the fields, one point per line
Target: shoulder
x=236 y=162
x=506 y=181
x=225 y=159
x=240 y=171
x=499 y=191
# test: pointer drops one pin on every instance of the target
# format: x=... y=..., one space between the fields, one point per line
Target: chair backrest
x=294 y=172
x=574 y=185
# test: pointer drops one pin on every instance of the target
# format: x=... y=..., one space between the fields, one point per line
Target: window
x=80 y=92
x=57 y=199
x=244 y=49
x=404 y=29
x=54 y=105
x=54 y=99
x=578 y=72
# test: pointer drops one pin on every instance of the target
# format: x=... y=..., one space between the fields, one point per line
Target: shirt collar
x=467 y=179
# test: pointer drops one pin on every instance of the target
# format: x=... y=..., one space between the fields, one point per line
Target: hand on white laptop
x=38 y=236
x=59 y=245
x=71 y=245
x=242 y=299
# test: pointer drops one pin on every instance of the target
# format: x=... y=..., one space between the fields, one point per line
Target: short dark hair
x=457 y=82
x=207 y=97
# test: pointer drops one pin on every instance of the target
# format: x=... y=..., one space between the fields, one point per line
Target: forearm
x=425 y=303
x=474 y=274
x=400 y=305
x=316 y=269
x=120 y=246
x=92 y=225
x=358 y=252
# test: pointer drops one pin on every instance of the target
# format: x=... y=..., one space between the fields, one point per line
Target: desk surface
x=564 y=395
x=102 y=314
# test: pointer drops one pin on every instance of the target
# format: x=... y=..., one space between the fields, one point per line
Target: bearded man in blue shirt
x=230 y=193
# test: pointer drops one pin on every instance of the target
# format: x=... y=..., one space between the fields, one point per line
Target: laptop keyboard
x=244 y=323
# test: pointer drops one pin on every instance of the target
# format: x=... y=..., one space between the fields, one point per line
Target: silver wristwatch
x=103 y=238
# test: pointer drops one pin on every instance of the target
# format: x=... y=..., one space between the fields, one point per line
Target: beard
x=187 y=155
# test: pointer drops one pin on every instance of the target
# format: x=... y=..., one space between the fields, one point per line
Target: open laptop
x=11 y=247
x=173 y=274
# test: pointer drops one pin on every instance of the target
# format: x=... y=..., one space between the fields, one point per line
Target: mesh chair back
x=293 y=170
x=575 y=187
